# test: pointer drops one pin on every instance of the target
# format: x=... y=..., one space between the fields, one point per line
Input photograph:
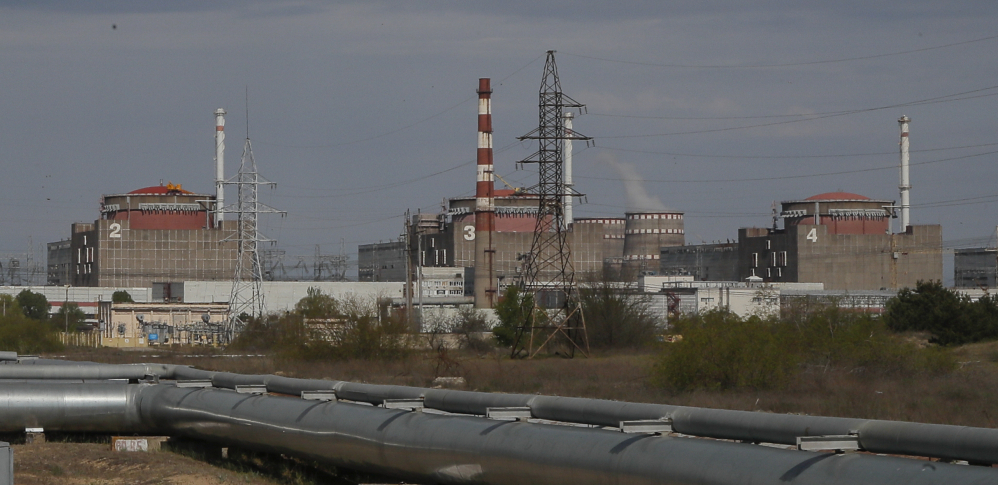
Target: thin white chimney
x=569 y=185
x=219 y=165
x=905 y=183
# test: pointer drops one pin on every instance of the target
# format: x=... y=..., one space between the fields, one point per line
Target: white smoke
x=638 y=199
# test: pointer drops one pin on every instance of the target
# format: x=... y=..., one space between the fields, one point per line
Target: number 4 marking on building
x=813 y=235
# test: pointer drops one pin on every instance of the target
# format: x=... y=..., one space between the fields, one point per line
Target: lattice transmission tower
x=246 y=298
x=548 y=271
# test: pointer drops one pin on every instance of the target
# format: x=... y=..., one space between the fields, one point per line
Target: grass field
x=967 y=396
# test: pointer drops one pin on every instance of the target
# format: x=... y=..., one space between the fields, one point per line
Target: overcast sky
x=361 y=110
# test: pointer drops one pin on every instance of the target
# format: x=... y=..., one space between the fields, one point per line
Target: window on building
x=755 y=261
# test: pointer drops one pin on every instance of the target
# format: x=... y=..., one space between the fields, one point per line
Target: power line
x=406 y=127
x=788 y=64
x=785 y=177
x=792 y=157
x=939 y=99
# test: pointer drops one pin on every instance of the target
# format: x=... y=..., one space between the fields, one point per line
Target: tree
x=470 y=324
x=121 y=296
x=615 y=317
x=951 y=318
x=74 y=318
x=513 y=311
x=9 y=306
x=316 y=305
x=24 y=336
x=34 y=305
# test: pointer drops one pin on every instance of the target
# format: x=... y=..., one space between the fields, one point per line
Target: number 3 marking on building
x=813 y=235
x=115 y=230
x=469 y=233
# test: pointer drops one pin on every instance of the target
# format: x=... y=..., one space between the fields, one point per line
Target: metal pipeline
x=457 y=449
x=91 y=407
x=978 y=445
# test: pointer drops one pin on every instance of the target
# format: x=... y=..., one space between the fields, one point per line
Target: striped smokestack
x=485 y=224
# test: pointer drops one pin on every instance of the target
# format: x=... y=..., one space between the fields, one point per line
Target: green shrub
x=614 y=316
x=513 y=310
x=951 y=318
x=34 y=305
x=326 y=328
x=26 y=336
x=719 y=350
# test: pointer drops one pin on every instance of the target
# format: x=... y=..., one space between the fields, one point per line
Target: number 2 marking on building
x=813 y=235
x=115 y=230
x=469 y=233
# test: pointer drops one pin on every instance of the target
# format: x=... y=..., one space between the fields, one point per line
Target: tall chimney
x=905 y=183
x=485 y=224
x=568 y=169
x=219 y=165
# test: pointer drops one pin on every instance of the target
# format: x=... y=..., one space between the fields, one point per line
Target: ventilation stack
x=569 y=185
x=219 y=165
x=905 y=183
x=485 y=224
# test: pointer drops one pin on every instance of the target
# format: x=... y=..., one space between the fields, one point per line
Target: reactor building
x=152 y=237
x=840 y=239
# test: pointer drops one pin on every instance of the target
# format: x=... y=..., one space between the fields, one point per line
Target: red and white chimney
x=485 y=225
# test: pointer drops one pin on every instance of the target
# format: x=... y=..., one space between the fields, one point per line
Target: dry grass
x=97 y=464
x=968 y=396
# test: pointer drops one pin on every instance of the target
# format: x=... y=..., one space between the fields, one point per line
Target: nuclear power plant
x=203 y=248
x=838 y=240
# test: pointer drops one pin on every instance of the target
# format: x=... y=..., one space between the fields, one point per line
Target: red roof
x=838 y=196
x=161 y=189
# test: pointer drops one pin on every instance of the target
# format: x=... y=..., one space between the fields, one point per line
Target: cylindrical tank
x=646 y=232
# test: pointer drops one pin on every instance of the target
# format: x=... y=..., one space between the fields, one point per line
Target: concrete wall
x=281 y=296
x=78 y=294
x=381 y=261
x=705 y=262
x=975 y=268
x=808 y=253
x=58 y=263
x=112 y=253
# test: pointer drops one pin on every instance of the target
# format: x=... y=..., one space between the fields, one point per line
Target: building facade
x=153 y=237
x=975 y=268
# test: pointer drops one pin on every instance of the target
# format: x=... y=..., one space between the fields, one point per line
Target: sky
x=359 y=111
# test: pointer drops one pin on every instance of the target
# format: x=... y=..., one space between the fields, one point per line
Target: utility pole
x=549 y=273
x=246 y=297
x=406 y=232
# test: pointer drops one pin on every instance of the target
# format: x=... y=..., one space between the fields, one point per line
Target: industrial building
x=975 y=268
x=704 y=262
x=840 y=239
x=153 y=237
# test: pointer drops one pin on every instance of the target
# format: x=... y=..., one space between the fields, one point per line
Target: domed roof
x=162 y=189
x=838 y=196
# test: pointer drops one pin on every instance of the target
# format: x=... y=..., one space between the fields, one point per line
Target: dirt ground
x=97 y=464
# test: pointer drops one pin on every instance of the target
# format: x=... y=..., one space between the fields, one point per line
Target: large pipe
x=979 y=445
x=219 y=166
x=436 y=448
x=905 y=183
x=106 y=408
x=485 y=224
